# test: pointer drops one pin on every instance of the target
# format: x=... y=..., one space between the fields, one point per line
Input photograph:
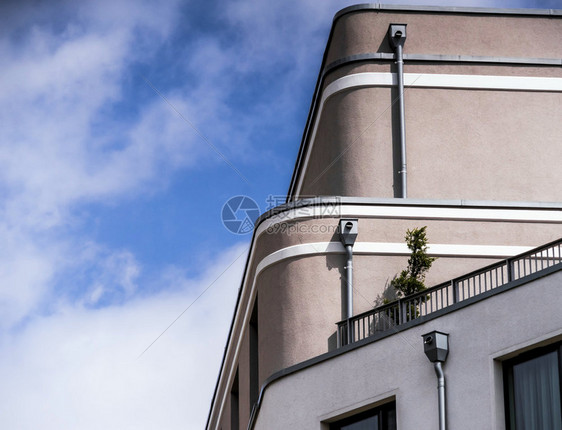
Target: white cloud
x=78 y=368
x=48 y=107
x=62 y=64
x=25 y=273
x=115 y=279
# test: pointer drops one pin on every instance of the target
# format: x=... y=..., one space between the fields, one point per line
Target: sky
x=125 y=128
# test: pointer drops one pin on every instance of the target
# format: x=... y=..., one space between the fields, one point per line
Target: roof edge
x=446 y=9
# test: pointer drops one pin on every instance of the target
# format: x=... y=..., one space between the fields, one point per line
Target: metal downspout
x=441 y=390
x=348 y=234
x=349 y=290
x=400 y=63
x=436 y=348
x=397 y=38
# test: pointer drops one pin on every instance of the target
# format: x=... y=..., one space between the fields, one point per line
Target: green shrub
x=411 y=280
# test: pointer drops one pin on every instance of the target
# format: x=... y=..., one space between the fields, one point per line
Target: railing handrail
x=508 y=263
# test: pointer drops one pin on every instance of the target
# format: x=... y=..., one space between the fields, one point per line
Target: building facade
x=444 y=118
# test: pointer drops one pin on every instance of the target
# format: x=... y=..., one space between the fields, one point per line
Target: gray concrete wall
x=481 y=335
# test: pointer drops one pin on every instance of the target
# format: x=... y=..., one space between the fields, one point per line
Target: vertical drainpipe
x=349 y=276
x=441 y=394
x=348 y=234
x=397 y=38
x=436 y=348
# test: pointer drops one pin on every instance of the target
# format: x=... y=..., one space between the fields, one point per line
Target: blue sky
x=125 y=127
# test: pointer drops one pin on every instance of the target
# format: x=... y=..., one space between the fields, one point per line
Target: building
x=449 y=118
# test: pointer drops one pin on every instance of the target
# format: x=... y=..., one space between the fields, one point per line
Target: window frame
x=507 y=365
x=382 y=411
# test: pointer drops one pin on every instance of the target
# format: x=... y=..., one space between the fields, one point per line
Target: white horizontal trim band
x=385 y=248
x=434 y=80
x=338 y=210
x=484 y=82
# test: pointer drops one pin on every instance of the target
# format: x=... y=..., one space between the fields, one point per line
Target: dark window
x=533 y=390
x=254 y=357
x=381 y=418
x=234 y=405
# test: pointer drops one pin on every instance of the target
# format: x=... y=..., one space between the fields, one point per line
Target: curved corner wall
x=476 y=126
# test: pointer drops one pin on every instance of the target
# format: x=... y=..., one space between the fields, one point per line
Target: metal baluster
x=339 y=340
x=507 y=265
x=454 y=291
x=537 y=262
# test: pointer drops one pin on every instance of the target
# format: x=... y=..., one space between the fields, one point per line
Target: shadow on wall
x=388 y=294
x=337 y=261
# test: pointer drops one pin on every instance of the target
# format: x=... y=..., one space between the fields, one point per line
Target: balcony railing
x=387 y=317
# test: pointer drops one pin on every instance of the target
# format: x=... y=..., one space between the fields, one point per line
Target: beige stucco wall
x=448 y=34
x=490 y=145
x=461 y=143
x=352 y=152
x=302 y=298
x=480 y=335
x=480 y=145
